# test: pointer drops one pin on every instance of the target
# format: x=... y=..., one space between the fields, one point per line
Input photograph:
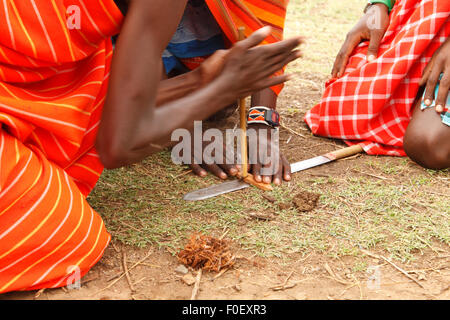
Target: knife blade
x=235 y=185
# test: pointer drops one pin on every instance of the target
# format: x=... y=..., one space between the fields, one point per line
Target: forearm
x=180 y=86
x=152 y=131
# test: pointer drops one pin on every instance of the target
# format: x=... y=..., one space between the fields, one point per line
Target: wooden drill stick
x=244 y=175
x=243 y=123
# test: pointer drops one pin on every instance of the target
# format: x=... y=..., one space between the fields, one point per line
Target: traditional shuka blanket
x=196 y=39
x=54 y=67
x=372 y=103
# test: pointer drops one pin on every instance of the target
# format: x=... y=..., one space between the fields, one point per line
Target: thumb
x=374 y=45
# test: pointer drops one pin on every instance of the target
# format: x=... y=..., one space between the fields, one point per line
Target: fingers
x=215 y=170
x=442 y=96
x=198 y=170
x=342 y=58
x=281 y=62
x=274 y=49
x=432 y=81
x=255 y=38
x=286 y=168
x=284 y=171
x=376 y=36
x=256 y=171
x=426 y=73
x=268 y=81
x=230 y=169
x=268 y=168
x=273 y=81
x=277 y=178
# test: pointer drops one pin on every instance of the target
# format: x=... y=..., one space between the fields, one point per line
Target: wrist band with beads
x=264 y=115
x=388 y=3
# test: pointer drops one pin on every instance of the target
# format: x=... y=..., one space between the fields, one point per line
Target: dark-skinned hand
x=439 y=64
x=372 y=26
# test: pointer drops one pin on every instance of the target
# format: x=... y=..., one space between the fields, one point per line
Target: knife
x=235 y=185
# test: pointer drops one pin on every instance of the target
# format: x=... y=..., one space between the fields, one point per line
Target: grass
x=402 y=213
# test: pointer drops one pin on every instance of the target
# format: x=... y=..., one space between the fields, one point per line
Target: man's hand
x=248 y=67
x=247 y=60
x=221 y=169
x=212 y=67
x=265 y=170
x=372 y=26
x=439 y=64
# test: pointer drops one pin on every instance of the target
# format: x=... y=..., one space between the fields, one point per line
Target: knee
x=427 y=149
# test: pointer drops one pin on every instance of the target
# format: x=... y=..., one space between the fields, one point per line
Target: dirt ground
x=305 y=276
x=367 y=270
x=309 y=278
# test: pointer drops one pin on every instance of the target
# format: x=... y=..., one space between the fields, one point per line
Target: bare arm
x=131 y=124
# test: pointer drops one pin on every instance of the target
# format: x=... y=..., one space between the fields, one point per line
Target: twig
x=287 y=286
x=292 y=131
x=335 y=277
x=197 y=284
x=139 y=281
x=351 y=210
x=219 y=274
x=182 y=174
x=123 y=274
x=38 y=294
x=85 y=281
x=261 y=216
x=224 y=234
x=370 y=174
x=150 y=265
x=406 y=274
x=125 y=270
x=284 y=283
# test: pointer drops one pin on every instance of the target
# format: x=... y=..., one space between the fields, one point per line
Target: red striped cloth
x=372 y=103
x=53 y=81
x=253 y=15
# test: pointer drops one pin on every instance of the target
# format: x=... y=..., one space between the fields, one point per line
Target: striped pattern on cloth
x=253 y=15
x=372 y=103
x=53 y=82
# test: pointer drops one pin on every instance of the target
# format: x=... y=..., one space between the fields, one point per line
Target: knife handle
x=344 y=153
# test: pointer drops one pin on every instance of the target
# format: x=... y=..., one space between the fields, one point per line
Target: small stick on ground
x=182 y=174
x=125 y=270
x=260 y=216
x=283 y=285
x=370 y=174
x=196 y=285
x=219 y=274
x=335 y=277
x=38 y=294
x=292 y=131
x=224 y=234
x=139 y=281
x=123 y=274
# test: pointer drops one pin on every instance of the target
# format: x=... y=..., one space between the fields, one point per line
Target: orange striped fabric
x=54 y=67
x=253 y=15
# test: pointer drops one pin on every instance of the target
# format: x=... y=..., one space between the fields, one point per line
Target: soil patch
x=306 y=201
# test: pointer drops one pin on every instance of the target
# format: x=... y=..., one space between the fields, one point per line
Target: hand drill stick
x=243 y=123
